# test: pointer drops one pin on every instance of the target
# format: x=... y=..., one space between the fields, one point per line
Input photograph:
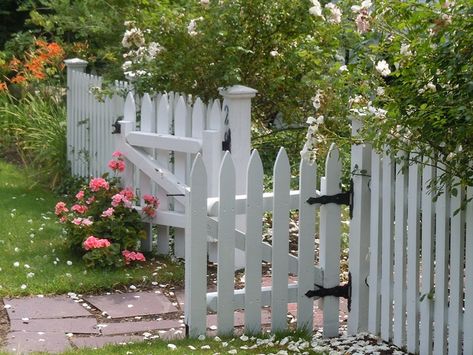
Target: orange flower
x=55 y=50
x=41 y=43
x=3 y=86
x=15 y=64
x=18 y=79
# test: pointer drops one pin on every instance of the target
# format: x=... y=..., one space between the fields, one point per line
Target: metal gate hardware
x=342 y=198
x=337 y=291
x=117 y=126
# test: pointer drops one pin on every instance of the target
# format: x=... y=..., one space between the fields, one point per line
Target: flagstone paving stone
x=26 y=342
x=136 y=327
x=98 y=342
x=132 y=304
x=44 y=307
x=81 y=325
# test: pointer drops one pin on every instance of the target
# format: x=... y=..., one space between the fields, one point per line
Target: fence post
x=236 y=129
x=359 y=234
x=78 y=65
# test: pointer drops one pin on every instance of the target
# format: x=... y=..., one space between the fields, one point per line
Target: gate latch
x=337 y=291
x=343 y=198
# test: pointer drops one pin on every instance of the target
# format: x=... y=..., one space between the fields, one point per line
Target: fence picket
x=399 y=330
x=280 y=242
x=374 y=316
x=253 y=244
x=162 y=157
x=330 y=231
x=387 y=249
x=427 y=261
x=413 y=240
x=457 y=254
x=180 y=166
x=305 y=273
x=441 y=276
x=226 y=246
x=468 y=317
x=196 y=250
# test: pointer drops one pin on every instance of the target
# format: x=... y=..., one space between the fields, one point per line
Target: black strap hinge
x=117 y=127
x=337 y=291
x=342 y=198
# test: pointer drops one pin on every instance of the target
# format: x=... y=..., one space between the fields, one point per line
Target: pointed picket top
x=333 y=163
x=146 y=114
x=180 y=115
x=215 y=116
x=282 y=160
x=198 y=168
x=163 y=115
x=129 y=113
x=227 y=169
x=198 y=119
x=255 y=165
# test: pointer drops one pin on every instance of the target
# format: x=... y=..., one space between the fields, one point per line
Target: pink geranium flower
x=79 y=209
x=128 y=193
x=132 y=256
x=117 y=154
x=60 y=208
x=94 y=243
x=108 y=212
x=117 y=165
x=98 y=183
x=80 y=195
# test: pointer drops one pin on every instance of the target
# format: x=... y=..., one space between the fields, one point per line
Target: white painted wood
x=468 y=315
x=253 y=244
x=441 y=273
x=212 y=155
x=413 y=254
x=240 y=202
x=387 y=249
x=162 y=157
x=330 y=232
x=226 y=246
x=214 y=118
x=198 y=119
x=359 y=234
x=457 y=258
x=165 y=142
x=305 y=305
x=280 y=241
x=196 y=250
x=400 y=214
x=239 y=297
x=374 y=316
x=180 y=168
x=426 y=315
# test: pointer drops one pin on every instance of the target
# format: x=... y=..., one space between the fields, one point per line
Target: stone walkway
x=58 y=323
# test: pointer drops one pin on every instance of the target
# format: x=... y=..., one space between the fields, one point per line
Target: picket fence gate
x=218 y=218
x=410 y=258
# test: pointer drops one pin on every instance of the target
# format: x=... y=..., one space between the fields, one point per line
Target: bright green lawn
x=34 y=257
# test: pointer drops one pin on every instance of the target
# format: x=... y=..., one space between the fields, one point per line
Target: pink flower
x=87 y=222
x=151 y=200
x=362 y=21
x=60 y=208
x=77 y=221
x=108 y=212
x=82 y=221
x=79 y=209
x=90 y=200
x=127 y=193
x=117 y=154
x=63 y=219
x=116 y=199
x=149 y=211
x=80 y=195
x=132 y=256
x=116 y=165
x=98 y=183
x=94 y=243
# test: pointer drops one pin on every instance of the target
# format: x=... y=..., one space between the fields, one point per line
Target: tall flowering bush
x=102 y=223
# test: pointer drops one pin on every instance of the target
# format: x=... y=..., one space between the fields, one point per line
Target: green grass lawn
x=35 y=259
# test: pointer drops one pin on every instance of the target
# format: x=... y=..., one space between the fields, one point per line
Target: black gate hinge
x=342 y=198
x=117 y=126
x=337 y=291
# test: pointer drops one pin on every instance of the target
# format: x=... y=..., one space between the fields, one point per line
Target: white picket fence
x=218 y=218
x=419 y=267
x=89 y=121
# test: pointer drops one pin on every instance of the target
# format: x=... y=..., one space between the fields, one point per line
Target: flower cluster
x=138 y=52
x=313 y=138
x=117 y=165
x=151 y=204
x=102 y=223
x=43 y=61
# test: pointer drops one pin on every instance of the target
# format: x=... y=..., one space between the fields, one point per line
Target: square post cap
x=238 y=91
x=76 y=63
